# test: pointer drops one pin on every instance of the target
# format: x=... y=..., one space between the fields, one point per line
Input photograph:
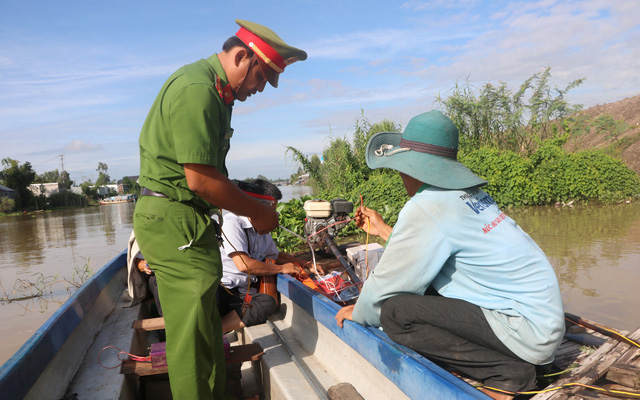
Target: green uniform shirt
x=188 y=123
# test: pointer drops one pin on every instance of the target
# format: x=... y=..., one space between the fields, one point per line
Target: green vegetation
x=18 y=177
x=292 y=217
x=502 y=119
x=43 y=286
x=552 y=175
x=515 y=143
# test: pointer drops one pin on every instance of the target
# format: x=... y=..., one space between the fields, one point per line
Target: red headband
x=261 y=196
x=267 y=53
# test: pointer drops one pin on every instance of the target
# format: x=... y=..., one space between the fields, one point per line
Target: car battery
x=364 y=258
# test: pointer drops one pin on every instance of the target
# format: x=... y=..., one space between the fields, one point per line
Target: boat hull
x=45 y=366
x=364 y=357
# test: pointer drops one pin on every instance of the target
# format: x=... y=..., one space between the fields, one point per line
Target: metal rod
x=345 y=264
x=306 y=372
x=605 y=330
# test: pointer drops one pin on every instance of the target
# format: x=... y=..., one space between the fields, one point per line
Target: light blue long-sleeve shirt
x=460 y=242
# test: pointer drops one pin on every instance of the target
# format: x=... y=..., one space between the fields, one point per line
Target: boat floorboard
x=603 y=368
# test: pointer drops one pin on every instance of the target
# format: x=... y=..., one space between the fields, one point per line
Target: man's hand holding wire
x=371 y=221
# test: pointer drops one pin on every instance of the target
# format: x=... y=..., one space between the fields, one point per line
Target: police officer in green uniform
x=183 y=145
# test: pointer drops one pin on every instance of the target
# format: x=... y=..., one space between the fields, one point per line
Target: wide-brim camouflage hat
x=426 y=150
x=270 y=48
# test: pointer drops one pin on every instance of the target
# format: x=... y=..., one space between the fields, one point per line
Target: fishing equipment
x=323 y=221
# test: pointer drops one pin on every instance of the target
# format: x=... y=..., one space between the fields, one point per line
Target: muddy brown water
x=595 y=251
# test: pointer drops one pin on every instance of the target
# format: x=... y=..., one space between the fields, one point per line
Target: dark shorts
x=261 y=307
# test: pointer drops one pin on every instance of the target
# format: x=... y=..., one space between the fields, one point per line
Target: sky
x=77 y=78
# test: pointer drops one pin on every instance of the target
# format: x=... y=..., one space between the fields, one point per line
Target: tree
x=53 y=177
x=103 y=177
x=66 y=179
x=18 y=177
x=48 y=177
x=501 y=118
x=130 y=186
x=90 y=192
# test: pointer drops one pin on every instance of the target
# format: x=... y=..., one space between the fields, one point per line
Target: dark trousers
x=457 y=333
x=153 y=287
x=261 y=307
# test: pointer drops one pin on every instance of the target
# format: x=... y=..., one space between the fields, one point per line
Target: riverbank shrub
x=552 y=175
x=6 y=204
x=292 y=217
x=501 y=118
x=66 y=199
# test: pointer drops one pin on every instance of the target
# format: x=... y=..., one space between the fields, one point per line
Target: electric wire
x=132 y=357
x=551 y=389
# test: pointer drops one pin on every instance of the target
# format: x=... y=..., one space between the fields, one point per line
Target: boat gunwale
x=25 y=367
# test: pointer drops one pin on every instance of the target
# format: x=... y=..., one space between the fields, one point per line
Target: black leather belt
x=149 y=192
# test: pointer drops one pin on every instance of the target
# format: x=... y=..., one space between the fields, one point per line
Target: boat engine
x=324 y=215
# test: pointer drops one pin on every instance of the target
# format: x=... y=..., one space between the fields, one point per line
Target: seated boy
x=244 y=252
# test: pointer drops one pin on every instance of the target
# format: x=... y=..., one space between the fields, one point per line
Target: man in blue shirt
x=459 y=281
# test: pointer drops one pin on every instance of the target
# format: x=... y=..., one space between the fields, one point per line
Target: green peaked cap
x=269 y=47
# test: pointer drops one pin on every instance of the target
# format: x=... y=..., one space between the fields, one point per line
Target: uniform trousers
x=457 y=333
x=180 y=246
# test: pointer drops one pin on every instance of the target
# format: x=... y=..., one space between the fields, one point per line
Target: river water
x=595 y=251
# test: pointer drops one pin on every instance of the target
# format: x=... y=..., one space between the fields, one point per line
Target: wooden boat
x=125 y=198
x=306 y=354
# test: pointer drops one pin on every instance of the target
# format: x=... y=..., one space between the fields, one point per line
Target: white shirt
x=239 y=236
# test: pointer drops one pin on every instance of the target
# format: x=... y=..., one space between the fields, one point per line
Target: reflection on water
x=293 y=192
x=595 y=251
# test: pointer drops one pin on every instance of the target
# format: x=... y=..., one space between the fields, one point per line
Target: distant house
x=302 y=179
x=6 y=192
x=47 y=189
x=122 y=188
x=106 y=189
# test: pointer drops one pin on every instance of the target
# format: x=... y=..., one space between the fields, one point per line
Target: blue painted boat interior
x=22 y=370
x=415 y=375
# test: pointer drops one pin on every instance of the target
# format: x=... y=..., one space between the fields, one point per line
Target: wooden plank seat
x=148 y=324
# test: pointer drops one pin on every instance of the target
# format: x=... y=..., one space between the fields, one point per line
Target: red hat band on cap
x=271 y=57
